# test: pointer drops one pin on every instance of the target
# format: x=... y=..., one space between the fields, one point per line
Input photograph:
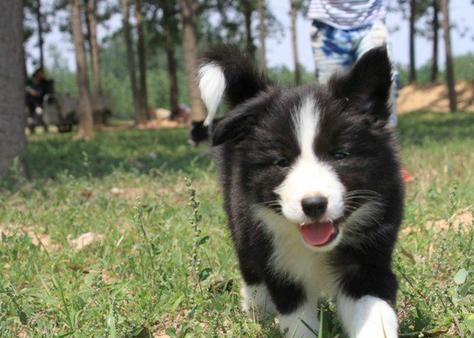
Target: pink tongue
x=317 y=233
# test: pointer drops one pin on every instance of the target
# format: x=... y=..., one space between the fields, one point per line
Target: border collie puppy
x=312 y=191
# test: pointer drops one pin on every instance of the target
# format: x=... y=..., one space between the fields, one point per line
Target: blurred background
x=156 y=44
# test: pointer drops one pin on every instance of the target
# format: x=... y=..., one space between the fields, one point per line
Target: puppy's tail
x=227 y=72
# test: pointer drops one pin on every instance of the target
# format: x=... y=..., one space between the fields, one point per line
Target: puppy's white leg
x=367 y=317
x=295 y=325
x=256 y=301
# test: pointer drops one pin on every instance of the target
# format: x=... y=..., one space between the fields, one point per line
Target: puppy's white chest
x=291 y=259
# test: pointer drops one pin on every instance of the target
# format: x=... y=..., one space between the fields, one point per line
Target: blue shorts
x=337 y=49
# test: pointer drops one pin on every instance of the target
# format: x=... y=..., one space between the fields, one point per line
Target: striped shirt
x=347 y=14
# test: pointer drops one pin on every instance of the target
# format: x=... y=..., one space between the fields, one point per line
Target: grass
x=165 y=263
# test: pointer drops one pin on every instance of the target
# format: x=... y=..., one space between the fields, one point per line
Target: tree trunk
x=262 y=50
x=95 y=62
x=247 y=12
x=449 y=57
x=131 y=59
x=86 y=122
x=12 y=83
x=143 y=90
x=188 y=16
x=173 y=78
x=39 y=21
x=434 y=64
x=294 y=40
x=412 y=72
x=94 y=46
x=170 y=25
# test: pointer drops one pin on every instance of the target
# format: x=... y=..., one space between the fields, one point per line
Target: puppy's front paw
x=367 y=317
x=256 y=302
x=302 y=323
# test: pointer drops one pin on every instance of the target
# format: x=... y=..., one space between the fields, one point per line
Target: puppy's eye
x=340 y=154
x=282 y=162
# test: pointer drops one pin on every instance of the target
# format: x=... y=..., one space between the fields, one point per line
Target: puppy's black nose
x=314 y=206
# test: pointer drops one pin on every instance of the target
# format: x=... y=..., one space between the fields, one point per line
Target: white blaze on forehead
x=212 y=86
x=306 y=124
x=309 y=176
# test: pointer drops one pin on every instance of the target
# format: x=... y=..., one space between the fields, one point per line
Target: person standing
x=342 y=31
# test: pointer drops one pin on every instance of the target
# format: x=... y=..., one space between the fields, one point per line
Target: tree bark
x=170 y=24
x=143 y=90
x=294 y=40
x=247 y=11
x=412 y=71
x=91 y=19
x=94 y=47
x=173 y=78
x=130 y=59
x=188 y=16
x=435 y=25
x=262 y=50
x=39 y=21
x=12 y=84
x=86 y=122
x=449 y=57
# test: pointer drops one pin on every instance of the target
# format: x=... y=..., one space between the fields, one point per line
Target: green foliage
x=285 y=76
x=116 y=79
x=64 y=79
x=463 y=70
x=30 y=18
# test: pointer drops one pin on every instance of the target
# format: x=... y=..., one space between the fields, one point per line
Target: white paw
x=256 y=301
x=367 y=317
x=303 y=323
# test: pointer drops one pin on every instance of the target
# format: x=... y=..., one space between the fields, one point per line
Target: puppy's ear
x=368 y=82
x=234 y=127
x=227 y=72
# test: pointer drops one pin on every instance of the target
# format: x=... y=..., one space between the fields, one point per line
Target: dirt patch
x=169 y=322
x=129 y=193
x=435 y=98
x=460 y=220
x=161 y=123
x=85 y=240
x=38 y=238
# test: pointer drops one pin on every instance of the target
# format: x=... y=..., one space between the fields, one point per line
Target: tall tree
x=39 y=21
x=188 y=9
x=170 y=29
x=247 y=8
x=412 y=32
x=142 y=89
x=35 y=23
x=294 y=39
x=91 y=19
x=86 y=122
x=125 y=5
x=261 y=25
x=12 y=82
x=449 y=57
x=435 y=28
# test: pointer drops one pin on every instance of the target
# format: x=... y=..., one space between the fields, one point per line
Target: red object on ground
x=407 y=178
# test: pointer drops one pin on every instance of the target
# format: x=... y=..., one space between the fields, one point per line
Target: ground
x=124 y=236
x=434 y=97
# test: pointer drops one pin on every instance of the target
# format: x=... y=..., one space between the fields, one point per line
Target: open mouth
x=318 y=234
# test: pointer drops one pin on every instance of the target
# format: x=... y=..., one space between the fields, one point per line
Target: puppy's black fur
x=256 y=146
